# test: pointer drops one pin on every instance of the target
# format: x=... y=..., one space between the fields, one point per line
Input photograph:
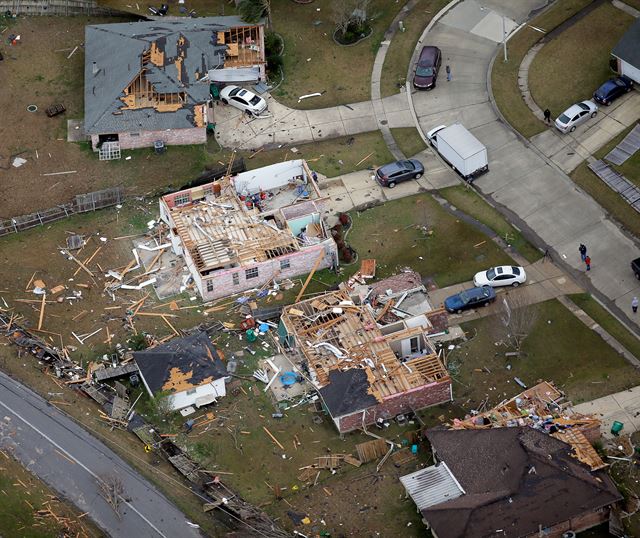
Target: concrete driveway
x=538 y=195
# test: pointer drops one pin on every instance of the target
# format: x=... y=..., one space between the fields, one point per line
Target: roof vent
x=95 y=69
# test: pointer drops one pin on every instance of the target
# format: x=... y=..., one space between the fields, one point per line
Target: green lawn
x=392 y=234
x=608 y=322
x=313 y=62
x=408 y=140
x=504 y=76
x=560 y=348
x=570 y=67
x=396 y=62
x=472 y=204
x=611 y=201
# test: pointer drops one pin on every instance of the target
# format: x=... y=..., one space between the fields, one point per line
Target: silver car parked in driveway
x=575 y=115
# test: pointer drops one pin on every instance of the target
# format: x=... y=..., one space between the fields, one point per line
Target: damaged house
x=240 y=232
x=188 y=368
x=513 y=482
x=149 y=81
x=364 y=372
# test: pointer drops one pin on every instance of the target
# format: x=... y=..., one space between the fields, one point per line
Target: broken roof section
x=149 y=75
x=180 y=364
x=350 y=360
x=250 y=218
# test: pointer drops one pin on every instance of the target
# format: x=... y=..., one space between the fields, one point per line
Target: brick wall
x=576 y=524
x=173 y=137
x=426 y=396
x=300 y=263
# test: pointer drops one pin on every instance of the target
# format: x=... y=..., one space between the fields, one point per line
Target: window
x=285 y=264
x=134 y=134
x=210 y=285
x=414 y=343
x=181 y=199
x=236 y=278
x=251 y=273
x=191 y=391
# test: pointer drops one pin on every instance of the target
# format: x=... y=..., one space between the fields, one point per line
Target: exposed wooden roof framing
x=334 y=319
x=223 y=232
x=140 y=93
x=242 y=46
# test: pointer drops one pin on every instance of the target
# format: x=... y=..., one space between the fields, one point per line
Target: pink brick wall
x=433 y=394
x=301 y=263
x=173 y=137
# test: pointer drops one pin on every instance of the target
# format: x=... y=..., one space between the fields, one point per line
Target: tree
x=111 y=490
x=517 y=319
x=254 y=10
x=346 y=13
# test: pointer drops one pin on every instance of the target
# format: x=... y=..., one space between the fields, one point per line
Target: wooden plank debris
x=272 y=437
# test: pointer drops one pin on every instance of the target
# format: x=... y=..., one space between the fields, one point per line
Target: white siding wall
x=180 y=400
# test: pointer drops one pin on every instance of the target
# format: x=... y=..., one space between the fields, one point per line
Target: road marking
x=70 y=456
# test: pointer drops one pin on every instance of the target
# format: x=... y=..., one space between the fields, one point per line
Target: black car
x=471 y=298
x=399 y=171
x=635 y=266
x=612 y=89
x=427 y=68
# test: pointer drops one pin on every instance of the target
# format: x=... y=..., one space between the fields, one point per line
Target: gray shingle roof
x=628 y=48
x=117 y=49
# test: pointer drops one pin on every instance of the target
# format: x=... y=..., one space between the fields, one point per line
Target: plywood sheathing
x=179 y=381
x=140 y=93
x=156 y=56
x=334 y=319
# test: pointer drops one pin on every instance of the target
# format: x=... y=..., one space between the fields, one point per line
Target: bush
x=344 y=219
x=272 y=44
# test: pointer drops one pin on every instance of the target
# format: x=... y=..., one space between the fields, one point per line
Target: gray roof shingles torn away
x=117 y=51
x=347 y=392
x=193 y=354
x=515 y=479
x=628 y=48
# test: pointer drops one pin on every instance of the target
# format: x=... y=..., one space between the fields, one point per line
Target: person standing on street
x=448 y=70
x=587 y=260
x=583 y=251
x=634 y=305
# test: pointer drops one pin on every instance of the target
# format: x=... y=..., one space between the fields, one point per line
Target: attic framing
x=140 y=93
x=242 y=46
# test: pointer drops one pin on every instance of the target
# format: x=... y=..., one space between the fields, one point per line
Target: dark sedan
x=427 y=68
x=391 y=174
x=471 y=298
x=612 y=89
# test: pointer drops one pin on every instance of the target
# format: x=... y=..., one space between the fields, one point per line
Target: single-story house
x=508 y=482
x=188 y=368
x=627 y=53
x=240 y=232
x=150 y=81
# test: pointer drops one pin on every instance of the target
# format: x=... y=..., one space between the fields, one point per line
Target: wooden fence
x=54 y=7
x=82 y=203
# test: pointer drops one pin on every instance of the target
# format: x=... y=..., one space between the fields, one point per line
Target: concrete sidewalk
x=622 y=406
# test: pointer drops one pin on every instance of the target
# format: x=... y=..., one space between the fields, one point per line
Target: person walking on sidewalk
x=583 y=251
x=634 y=305
x=547 y=116
x=587 y=260
x=448 y=70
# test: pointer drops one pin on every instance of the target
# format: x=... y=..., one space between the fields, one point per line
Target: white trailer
x=463 y=151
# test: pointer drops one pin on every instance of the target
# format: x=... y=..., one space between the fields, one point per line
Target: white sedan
x=505 y=275
x=575 y=115
x=243 y=99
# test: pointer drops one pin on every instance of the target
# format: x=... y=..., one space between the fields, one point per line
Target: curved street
x=536 y=193
x=69 y=459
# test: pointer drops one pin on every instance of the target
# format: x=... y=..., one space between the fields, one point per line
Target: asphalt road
x=69 y=459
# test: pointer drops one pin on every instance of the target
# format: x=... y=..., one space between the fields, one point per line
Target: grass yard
x=408 y=140
x=396 y=62
x=504 y=76
x=570 y=67
x=447 y=255
x=608 y=322
x=313 y=62
x=472 y=204
x=559 y=348
x=23 y=494
x=611 y=201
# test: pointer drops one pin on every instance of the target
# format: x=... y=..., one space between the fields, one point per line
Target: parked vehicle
x=243 y=99
x=612 y=89
x=471 y=298
x=575 y=115
x=391 y=174
x=463 y=151
x=635 y=266
x=504 y=275
x=427 y=68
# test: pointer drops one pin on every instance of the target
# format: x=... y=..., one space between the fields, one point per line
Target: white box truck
x=463 y=151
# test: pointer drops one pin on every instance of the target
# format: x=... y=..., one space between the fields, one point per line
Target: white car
x=505 y=275
x=243 y=99
x=575 y=115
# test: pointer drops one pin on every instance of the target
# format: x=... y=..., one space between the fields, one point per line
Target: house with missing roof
x=513 y=482
x=240 y=232
x=150 y=81
x=363 y=371
x=189 y=369
x=627 y=53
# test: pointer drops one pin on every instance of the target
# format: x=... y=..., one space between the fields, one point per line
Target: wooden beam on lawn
x=41 y=318
x=313 y=271
x=88 y=260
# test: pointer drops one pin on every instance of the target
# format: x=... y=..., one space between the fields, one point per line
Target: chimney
x=94 y=69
